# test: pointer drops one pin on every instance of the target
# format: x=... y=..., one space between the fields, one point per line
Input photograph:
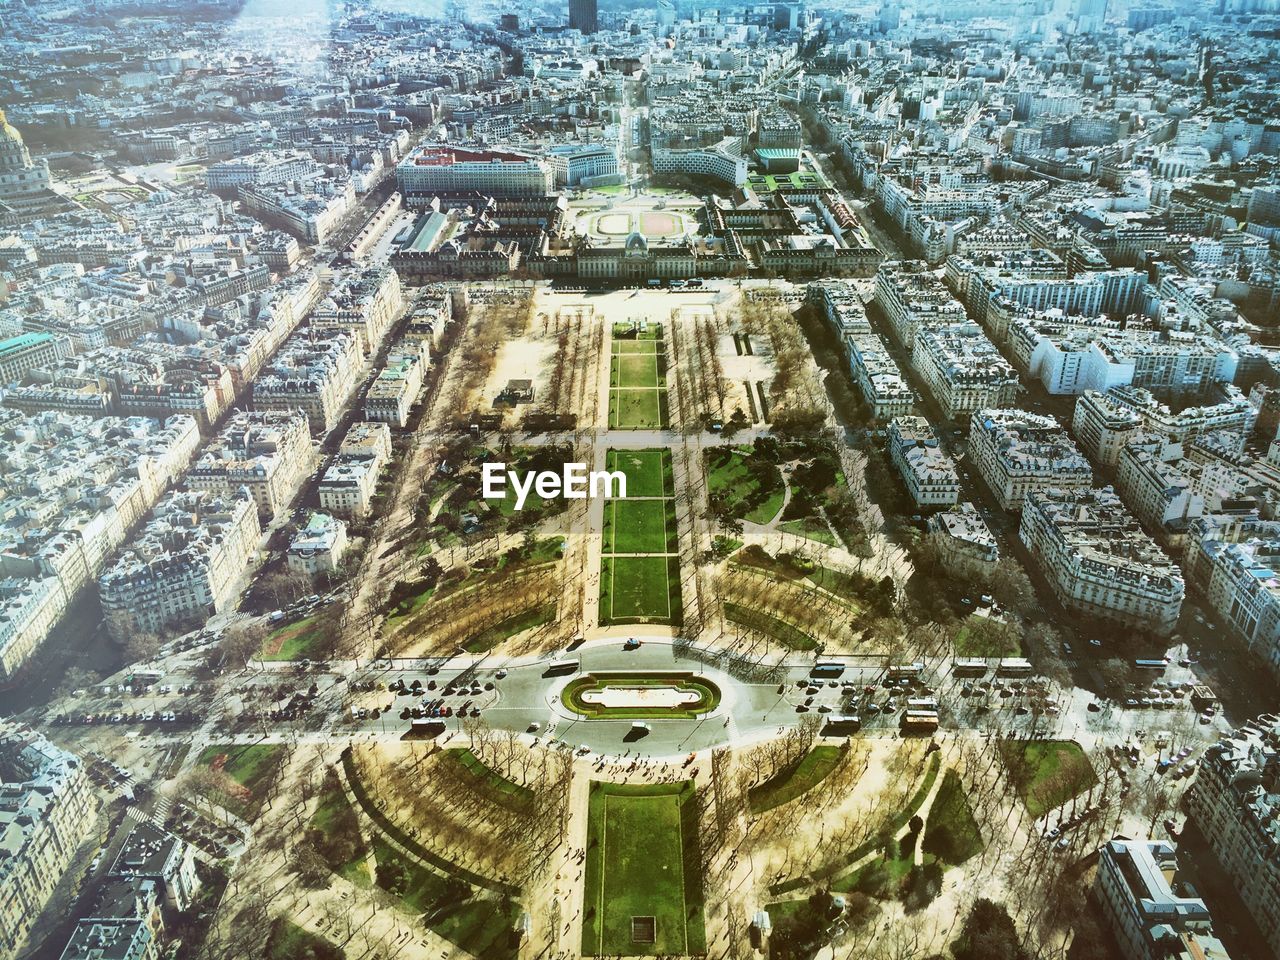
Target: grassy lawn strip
x=638 y=409
x=812 y=528
x=642 y=860
x=640 y=526
x=761 y=622
x=288 y=941
x=708 y=692
x=814 y=767
x=408 y=842
x=249 y=770
x=640 y=590
x=1047 y=773
x=488 y=783
x=986 y=637
x=518 y=623
x=448 y=906
x=648 y=471
x=335 y=833
x=951 y=833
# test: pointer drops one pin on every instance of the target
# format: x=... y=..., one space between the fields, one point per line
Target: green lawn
x=487 y=782
x=761 y=622
x=481 y=926
x=640 y=590
x=641 y=370
x=951 y=833
x=288 y=941
x=751 y=487
x=642 y=861
x=1047 y=773
x=640 y=526
x=986 y=637
x=518 y=623
x=295 y=641
x=814 y=767
x=648 y=472
x=335 y=832
x=813 y=528
x=251 y=768
x=638 y=409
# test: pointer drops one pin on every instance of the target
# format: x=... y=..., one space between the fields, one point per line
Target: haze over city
x=598 y=478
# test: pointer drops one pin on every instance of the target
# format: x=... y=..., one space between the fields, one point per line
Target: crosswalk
x=157 y=817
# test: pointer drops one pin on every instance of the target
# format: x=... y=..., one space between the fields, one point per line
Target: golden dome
x=8 y=131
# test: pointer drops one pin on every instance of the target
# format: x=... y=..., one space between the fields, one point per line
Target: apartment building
x=310 y=212
x=434 y=169
x=47 y=807
x=315 y=373
x=26 y=351
x=188 y=562
x=1233 y=560
x=1096 y=557
x=1102 y=426
x=1151 y=905
x=348 y=485
x=1017 y=453
x=965 y=538
x=260 y=168
x=912 y=297
x=150 y=853
x=962 y=370
x=929 y=474
x=76 y=487
x=881 y=383
x=269 y=453
x=366 y=302
x=1235 y=803
x=583 y=164
x=1163 y=490
x=396 y=389
x=105 y=939
x=319 y=546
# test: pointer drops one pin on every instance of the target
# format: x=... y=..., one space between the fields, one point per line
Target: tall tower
x=582 y=16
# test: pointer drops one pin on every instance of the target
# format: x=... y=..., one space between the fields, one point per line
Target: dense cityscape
x=633 y=478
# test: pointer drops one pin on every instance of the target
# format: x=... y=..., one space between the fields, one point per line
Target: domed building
x=22 y=180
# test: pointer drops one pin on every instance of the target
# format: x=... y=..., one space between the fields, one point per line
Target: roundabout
x=676 y=695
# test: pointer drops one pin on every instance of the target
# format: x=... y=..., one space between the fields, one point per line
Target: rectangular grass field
x=640 y=526
x=642 y=862
x=631 y=409
x=639 y=589
x=637 y=370
x=648 y=471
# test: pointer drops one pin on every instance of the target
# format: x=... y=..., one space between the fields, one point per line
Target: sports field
x=643 y=885
x=638 y=379
x=639 y=572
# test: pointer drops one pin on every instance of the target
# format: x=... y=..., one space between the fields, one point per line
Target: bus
x=558 y=668
x=841 y=725
x=969 y=667
x=827 y=668
x=922 y=703
x=1150 y=664
x=920 y=720
x=906 y=671
x=1014 y=667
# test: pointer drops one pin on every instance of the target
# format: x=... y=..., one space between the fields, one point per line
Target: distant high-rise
x=582 y=16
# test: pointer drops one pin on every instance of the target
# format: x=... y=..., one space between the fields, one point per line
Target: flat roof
x=22 y=341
